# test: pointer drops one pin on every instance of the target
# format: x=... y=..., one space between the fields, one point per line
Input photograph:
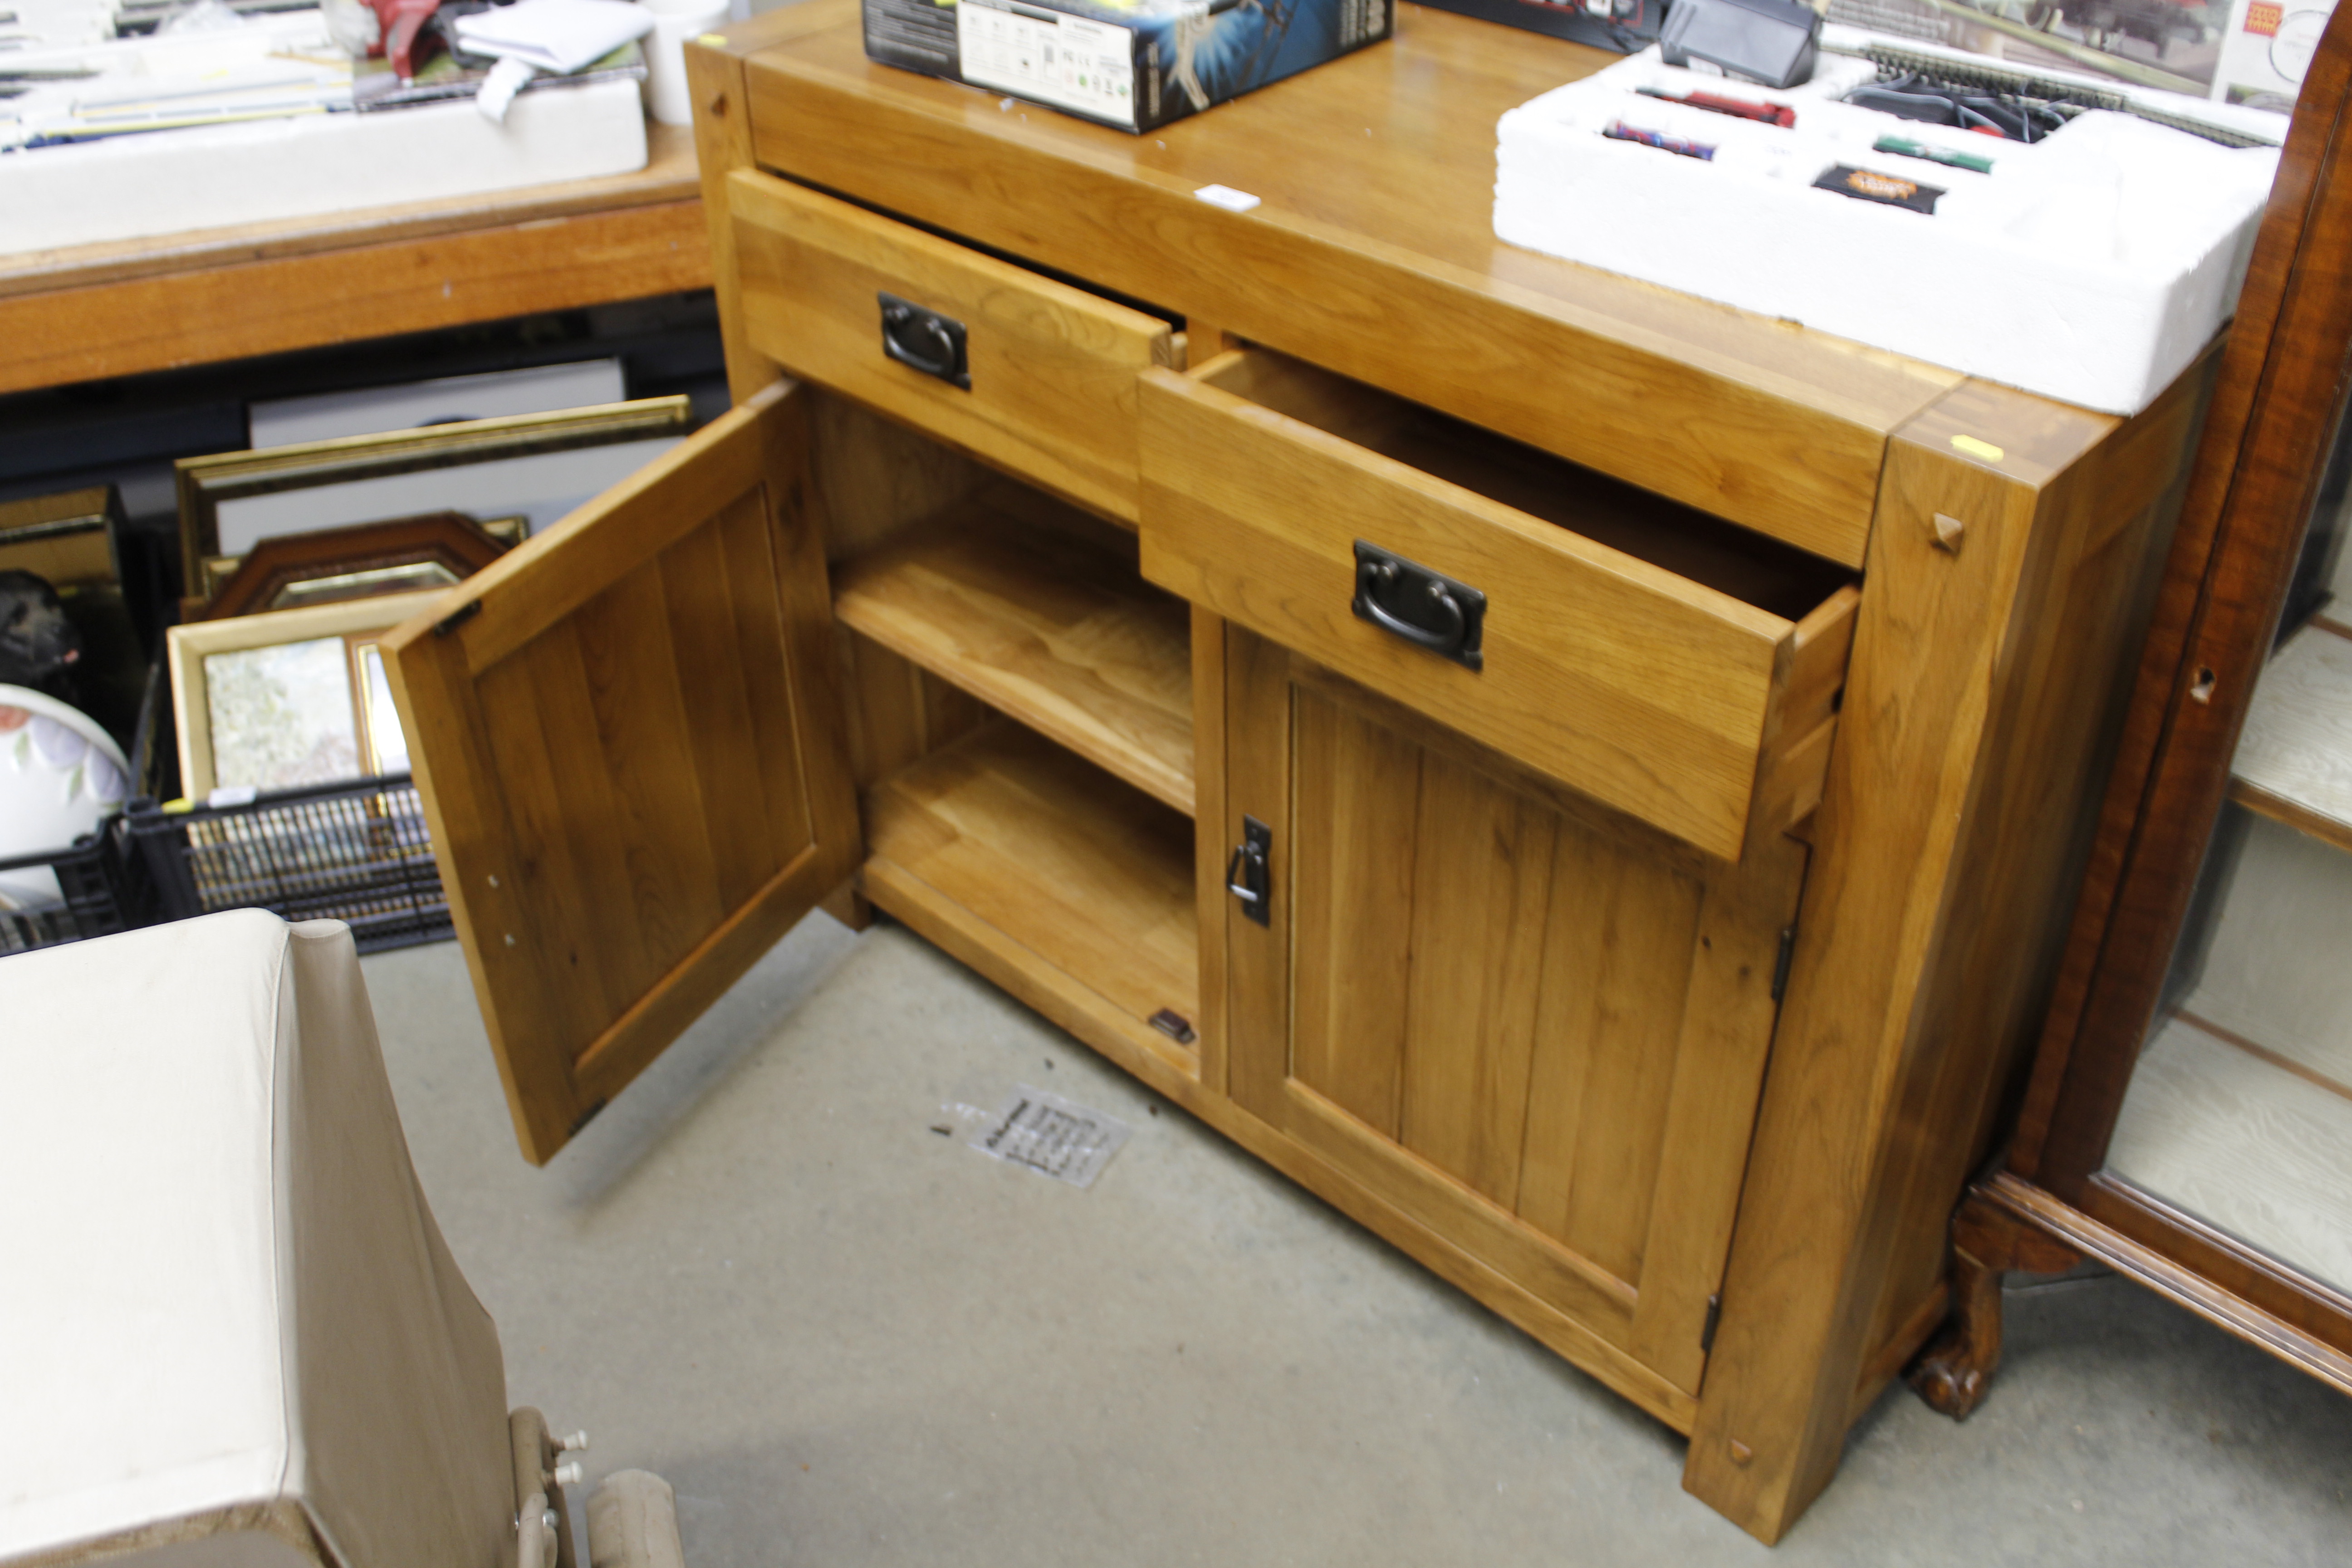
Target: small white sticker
x=1053 y=1136
x=1225 y=196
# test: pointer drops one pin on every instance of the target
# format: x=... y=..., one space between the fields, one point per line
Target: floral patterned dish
x=60 y=774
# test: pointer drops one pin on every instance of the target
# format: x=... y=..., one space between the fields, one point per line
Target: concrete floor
x=847 y=1339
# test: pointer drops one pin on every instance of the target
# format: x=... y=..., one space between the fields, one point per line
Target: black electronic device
x=1768 y=41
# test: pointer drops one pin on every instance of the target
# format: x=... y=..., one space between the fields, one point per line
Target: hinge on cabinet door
x=1249 y=875
x=1780 y=964
x=456 y=617
x=1714 y=1316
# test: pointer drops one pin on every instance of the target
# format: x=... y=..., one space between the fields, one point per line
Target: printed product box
x=1135 y=65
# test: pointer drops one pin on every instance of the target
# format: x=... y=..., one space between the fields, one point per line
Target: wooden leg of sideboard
x=1919 y=967
x=1988 y=1242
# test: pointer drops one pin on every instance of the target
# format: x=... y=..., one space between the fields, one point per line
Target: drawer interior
x=1751 y=567
x=1650 y=657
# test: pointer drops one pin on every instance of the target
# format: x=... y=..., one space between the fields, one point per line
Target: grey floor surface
x=847 y=1339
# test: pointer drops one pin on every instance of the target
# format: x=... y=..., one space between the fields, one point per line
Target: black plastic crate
x=356 y=852
x=99 y=899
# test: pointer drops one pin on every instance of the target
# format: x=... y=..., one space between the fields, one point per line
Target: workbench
x=1585 y=780
x=205 y=297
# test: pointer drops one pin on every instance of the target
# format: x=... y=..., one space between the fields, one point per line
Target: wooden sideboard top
x=1372 y=251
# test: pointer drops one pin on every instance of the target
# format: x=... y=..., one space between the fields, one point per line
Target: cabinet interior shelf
x=1086 y=872
x=1041 y=623
x=2295 y=760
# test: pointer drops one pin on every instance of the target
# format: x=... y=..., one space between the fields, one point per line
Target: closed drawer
x=1653 y=658
x=1026 y=372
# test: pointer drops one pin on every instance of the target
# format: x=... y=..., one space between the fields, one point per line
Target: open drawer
x=1661 y=660
x=1026 y=372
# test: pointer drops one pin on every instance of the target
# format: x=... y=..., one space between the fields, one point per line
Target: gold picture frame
x=260 y=690
x=207 y=485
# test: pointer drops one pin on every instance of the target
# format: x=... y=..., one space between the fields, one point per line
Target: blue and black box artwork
x=1136 y=65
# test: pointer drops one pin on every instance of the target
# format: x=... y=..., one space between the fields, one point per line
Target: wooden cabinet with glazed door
x=2186 y=1119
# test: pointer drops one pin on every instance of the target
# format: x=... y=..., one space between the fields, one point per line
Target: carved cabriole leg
x=1988 y=1241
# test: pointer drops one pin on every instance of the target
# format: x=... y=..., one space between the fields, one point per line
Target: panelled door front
x=1535 y=1027
x=629 y=749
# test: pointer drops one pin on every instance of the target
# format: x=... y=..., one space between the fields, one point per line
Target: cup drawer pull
x=1426 y=608
x=924 y=341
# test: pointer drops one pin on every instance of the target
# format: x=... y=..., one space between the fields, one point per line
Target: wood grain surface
x=1052 y=368
x=1061 y=635
x=2264 y=450
x=1539 y=1032
x=1090 y=876
x=1648 y=690
x=2275 y=419
x=132 y=306
x=1978 y=696
x=1372 y=252
x=632 y=759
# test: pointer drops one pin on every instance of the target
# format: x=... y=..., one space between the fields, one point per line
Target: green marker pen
x=1903 y=148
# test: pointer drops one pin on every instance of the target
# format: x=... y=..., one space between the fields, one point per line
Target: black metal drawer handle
x=924 y=341
x=1425 y=608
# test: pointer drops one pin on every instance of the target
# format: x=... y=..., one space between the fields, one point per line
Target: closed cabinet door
x=628 y=745
x=1535 y=1029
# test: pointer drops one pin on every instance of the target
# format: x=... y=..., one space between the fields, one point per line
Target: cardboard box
x=1135 y=66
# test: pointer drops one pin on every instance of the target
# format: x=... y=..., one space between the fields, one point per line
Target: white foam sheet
x=2091 y=267
x=230 y=1329
x=130 y=187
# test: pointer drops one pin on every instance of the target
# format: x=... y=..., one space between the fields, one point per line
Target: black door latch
x=1249 y=875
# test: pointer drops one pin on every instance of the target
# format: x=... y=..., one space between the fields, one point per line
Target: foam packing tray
x=2090 y=267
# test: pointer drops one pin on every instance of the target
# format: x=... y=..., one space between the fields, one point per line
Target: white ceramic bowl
x=60 y=774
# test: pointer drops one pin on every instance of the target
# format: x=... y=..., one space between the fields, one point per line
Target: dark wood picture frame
x=455 y=543
x=2273 y=424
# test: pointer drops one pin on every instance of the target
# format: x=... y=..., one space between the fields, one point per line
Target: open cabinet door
x=628 y=745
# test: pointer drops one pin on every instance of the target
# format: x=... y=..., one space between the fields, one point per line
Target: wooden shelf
x=1091 y=877
x=1053 y=629
x=2245 y=1141
x=2295 y=760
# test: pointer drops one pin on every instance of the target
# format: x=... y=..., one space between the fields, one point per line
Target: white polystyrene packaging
x=230 y=1332
x=2091 y=267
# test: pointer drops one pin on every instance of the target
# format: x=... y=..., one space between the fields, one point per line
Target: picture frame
x=293 y=570
x=287 y=698
x=538 y=465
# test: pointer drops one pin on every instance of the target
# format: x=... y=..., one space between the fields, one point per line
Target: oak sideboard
x=1587 y=781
